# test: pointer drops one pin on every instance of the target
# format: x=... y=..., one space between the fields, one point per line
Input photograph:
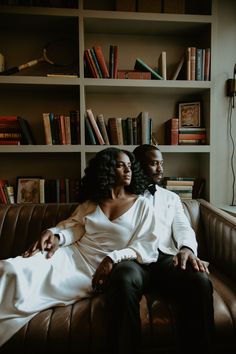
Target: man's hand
x=186 y=255
x=47 y=242
x=100 y=276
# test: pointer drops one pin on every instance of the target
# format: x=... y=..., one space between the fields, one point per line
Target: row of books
x=198 y=63
x=118 y=131
x=95 y=63
x=194 y=64
x=97 y=67
x=42 y=3
x=185 y=187
x=61 y=129
x=165 y=6
x=15 y=130
x=6 y=192
x=40 y=190
x=175 y=135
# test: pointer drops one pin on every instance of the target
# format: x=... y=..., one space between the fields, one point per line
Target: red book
x=172 y=131
x=192 y=136
x=134 y=75
x=90 y=63
x=101 y=61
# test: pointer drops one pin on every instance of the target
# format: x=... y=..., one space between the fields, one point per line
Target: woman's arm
x=73 y=228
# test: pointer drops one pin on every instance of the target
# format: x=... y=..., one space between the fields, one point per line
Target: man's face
x=153 y=166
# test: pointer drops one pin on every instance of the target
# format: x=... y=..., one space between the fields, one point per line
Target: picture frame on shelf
x=189 y=114
x=28 y=190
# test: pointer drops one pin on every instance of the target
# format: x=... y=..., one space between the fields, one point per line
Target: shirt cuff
x=122 y=255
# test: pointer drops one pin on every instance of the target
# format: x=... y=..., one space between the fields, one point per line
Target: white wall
x=224 y=59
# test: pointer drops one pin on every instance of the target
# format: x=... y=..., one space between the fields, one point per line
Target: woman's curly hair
x=100 y=176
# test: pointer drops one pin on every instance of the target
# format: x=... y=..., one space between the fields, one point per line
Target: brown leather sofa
x=80 y=328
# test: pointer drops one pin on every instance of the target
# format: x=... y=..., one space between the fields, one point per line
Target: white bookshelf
x=145 y=35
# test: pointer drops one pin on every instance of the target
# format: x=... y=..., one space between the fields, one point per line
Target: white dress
x=30 y=285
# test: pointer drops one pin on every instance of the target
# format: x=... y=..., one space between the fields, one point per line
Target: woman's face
x=123 y=170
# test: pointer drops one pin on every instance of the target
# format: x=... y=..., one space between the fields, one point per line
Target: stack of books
x=192 y=135
x=6 y=192
x=15 y=130
x=183 y=186
x=175 y=135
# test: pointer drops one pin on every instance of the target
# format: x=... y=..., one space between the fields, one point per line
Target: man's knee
x=128 y=275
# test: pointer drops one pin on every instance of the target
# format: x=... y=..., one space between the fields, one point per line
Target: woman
x=113 y=222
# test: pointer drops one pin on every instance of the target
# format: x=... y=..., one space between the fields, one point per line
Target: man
x=178 y=274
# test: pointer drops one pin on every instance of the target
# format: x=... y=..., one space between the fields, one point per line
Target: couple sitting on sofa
x=120 y=242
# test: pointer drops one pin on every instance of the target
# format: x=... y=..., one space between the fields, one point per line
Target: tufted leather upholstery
x=80 y=328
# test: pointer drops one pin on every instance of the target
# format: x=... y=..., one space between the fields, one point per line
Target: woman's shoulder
x=85 y=208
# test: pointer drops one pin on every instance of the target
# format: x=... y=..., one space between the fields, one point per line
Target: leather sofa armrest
x=219 y=230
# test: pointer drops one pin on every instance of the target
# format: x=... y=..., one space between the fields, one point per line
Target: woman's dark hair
x=100 y=176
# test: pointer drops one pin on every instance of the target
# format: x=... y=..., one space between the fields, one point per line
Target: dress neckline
x=113 y=220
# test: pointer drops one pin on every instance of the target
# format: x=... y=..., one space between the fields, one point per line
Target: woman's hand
x=100 y=276
x=47 y=242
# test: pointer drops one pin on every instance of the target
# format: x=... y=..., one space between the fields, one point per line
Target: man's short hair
x=141 y=150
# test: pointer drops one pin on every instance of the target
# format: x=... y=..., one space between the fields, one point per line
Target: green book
x=141 y=66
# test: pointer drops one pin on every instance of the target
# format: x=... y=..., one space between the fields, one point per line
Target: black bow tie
x=152 y=188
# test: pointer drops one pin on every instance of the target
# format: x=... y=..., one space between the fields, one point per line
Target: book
x=101 y=61
x=149 y=6
x=115 y=66
x=191 y=136
x=179 y=188
x=3 y=198
x=47 y=129
x=89 y=135
x=95 y=60
x=113 y=131
x=175 y=178
x=125 y=5
x=9 y=142
x=162 y=65
x=103 y=128
x=174 y=6
x=62 y=75
x=144 y=128
x=172 y=131
x=129 y=129
x=178 y=68
x=207 y=64
x=67 y=129
x=120 y=131
x=189 y=130
x=140 y=65
x=192 y=141
x=134 y=75
x=188 y=183
x=95 y=126
x=27 y=135
x=75 y=126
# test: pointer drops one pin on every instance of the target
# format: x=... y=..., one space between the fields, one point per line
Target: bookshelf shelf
x=144 y=35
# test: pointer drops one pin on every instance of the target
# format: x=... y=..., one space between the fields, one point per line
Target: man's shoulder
x=167 y=193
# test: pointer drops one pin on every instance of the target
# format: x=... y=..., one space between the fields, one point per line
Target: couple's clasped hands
x=49 y=243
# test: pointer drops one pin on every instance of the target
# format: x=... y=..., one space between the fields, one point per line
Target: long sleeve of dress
x=73 y=228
